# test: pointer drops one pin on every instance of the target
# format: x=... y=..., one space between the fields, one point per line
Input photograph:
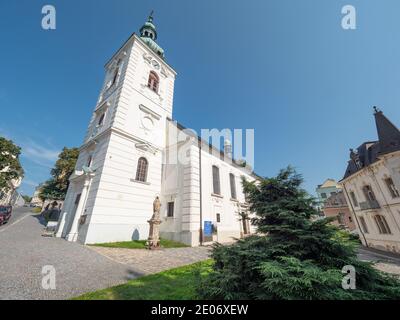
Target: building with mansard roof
x=371 y=185
x=134 y=152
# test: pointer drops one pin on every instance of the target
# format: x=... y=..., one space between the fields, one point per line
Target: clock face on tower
x=155 y=64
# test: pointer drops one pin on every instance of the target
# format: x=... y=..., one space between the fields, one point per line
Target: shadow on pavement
x=40 y=219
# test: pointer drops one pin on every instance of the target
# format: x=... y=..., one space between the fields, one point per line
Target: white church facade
x=133 y=152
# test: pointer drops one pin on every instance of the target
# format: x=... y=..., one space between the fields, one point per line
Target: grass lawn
x=140 y=244
x=174 y=284
x=37 y=210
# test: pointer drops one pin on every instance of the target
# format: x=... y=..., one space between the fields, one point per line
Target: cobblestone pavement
x=80 y=269
x=384 y=261
x=24 y=253
x=389 y=268
x=148 y=262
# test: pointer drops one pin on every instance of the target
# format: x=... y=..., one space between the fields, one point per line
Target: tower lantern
x=148 y=33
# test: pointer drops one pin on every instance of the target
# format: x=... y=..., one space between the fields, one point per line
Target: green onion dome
x=148 y=33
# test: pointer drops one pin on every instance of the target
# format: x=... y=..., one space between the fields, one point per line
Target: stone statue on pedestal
x=154 y=235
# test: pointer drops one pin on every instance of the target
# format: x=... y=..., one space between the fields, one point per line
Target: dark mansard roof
x=369 y=152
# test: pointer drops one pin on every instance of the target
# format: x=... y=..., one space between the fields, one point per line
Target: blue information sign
x=208 y=226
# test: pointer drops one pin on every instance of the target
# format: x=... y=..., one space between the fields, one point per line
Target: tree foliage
x=56 y=187
x=10 y=166
x=27 y=198
x=292 y=256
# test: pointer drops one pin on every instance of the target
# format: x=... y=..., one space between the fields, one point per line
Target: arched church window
x=154 y=81
x=141 y=172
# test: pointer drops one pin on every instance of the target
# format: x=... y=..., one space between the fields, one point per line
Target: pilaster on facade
x=191 y=192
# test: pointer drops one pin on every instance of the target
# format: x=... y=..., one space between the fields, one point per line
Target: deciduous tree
x=56 y=187
x=10 y=166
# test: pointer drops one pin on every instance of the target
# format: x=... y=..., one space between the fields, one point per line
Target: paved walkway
x=24 y=252
x=148 y=262
x=79 y=269
x=384 y=261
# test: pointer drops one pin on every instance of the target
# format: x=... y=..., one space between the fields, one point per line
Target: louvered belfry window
x=153 y=81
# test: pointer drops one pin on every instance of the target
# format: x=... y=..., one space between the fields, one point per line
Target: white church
x=134 y=151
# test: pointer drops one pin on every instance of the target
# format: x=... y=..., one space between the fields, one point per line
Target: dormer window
x=153 y=82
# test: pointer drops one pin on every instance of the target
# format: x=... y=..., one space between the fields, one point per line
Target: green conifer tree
x=292 y=256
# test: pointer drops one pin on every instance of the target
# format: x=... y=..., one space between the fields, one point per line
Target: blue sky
x=283 y=67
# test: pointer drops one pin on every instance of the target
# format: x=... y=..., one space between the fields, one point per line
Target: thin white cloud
x=39 y=154
x=30 y=183
x=42 y=154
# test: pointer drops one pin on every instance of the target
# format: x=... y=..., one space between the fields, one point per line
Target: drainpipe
x=201 y=198
x=355 y=215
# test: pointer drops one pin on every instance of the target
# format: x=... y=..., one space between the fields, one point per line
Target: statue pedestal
x=153 y=243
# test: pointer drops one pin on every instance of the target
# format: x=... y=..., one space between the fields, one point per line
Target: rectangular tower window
x=170 y=209
x=218 y=217
x=89 y=161
x=101 y=120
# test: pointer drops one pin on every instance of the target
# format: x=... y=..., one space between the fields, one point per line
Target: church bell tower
x=119 y=169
